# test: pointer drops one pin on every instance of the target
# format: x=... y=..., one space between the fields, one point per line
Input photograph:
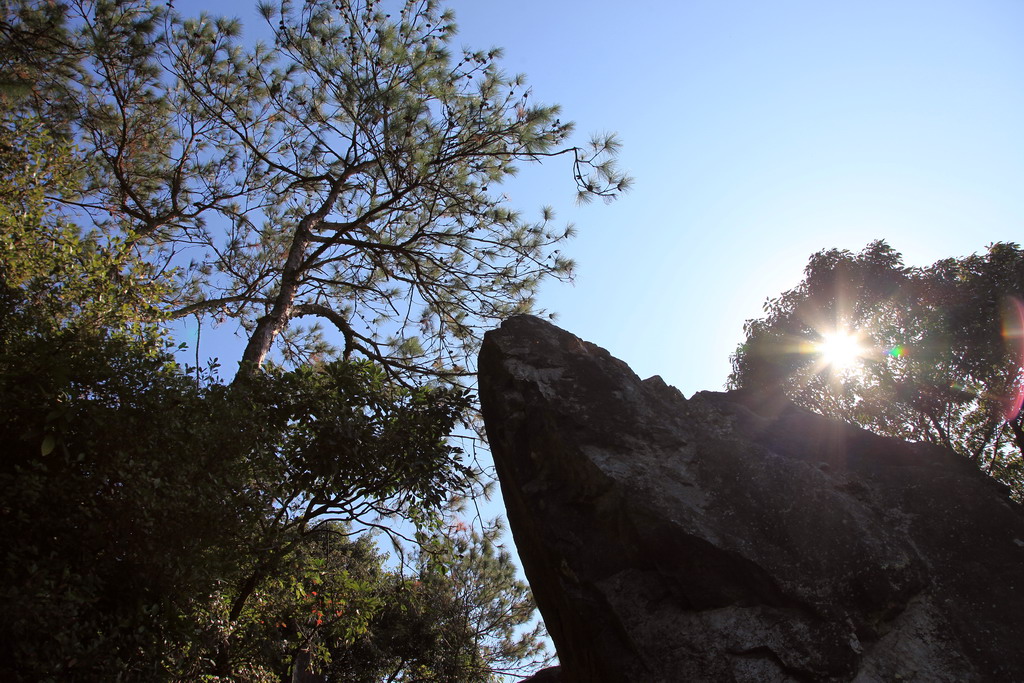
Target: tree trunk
x=1018 y=433
x=270 y=325
x=302 y=672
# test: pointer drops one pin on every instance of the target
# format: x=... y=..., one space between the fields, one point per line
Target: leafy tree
x=460 y=616
x=87 y=280
x=936 y=351
x=149 y=518
x=144 y=515
x=346 y=172
x=472 y=600
x=114 y=513
x=452 y=616
x=92 y=570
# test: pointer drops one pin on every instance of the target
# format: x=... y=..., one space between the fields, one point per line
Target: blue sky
x=758 y=133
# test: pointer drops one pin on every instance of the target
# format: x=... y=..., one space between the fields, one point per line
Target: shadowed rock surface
x=735 y=537
x=552 y=674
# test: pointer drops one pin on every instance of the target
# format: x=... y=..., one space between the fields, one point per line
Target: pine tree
x=346 y=172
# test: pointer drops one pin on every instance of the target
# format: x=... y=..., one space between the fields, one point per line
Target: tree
x=152 y=518
x=451 y=616
x=347 y=172
x=464 y=614
x=147 y=518
x=932 y=354
x=89 y=280
x=93 y=572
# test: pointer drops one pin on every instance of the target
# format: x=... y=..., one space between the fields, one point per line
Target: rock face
x=735 y=537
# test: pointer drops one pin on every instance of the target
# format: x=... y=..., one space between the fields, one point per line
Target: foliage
x=89 y=280
x=347 y=172
x=114 y=512
x=470 y=600
x=150 y=518
x=460 y=617
x=345 y=614
x=33 y=43
x=941 y=358
x=161 y=493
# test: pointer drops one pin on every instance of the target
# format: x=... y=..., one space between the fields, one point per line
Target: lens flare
x=1013 y=334
x=840 y=349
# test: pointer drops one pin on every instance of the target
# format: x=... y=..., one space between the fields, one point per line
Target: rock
x=552 y=674
x=736 y=537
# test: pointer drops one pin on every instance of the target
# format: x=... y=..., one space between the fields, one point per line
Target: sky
x=758 y=133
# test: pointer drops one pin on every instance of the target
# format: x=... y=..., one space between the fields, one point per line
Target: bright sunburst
x=841 y=350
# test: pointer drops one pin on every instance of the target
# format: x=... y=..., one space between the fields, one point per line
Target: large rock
x=735 y=537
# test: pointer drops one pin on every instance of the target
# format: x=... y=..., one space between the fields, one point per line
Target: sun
x=841 y=350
